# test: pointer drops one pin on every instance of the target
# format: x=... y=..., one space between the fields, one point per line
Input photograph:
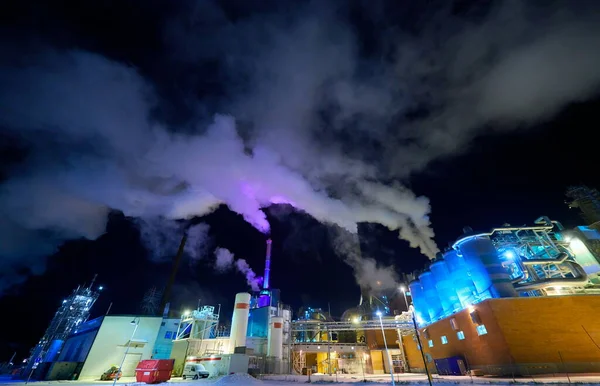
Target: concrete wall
x=524 y=336
x=537 y=329
x=111 y=342
x=413 y=354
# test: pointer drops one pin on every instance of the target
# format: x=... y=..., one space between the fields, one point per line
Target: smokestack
x=267 y=266
x=239 y=321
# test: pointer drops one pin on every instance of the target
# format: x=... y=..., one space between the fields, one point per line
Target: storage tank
x=485 y=266
x=434 y=306
x=275 y=339
x=239 y=321
x=445 y=287
x=418 y=300
x=461 y=278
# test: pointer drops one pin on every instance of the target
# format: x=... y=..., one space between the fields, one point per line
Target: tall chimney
x=267 y=266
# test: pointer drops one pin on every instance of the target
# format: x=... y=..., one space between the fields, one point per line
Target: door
x=130 y=363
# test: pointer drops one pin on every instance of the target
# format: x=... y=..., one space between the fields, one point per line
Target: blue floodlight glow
x=509 y=254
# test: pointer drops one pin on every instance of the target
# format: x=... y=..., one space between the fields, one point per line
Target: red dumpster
x=154 y=370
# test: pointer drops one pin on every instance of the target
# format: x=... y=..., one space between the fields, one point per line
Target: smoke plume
x=308 y=110
x=162 y=238
x=225 y=260
x=369 y=274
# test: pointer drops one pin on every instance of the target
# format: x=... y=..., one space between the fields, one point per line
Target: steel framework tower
x=73 y=311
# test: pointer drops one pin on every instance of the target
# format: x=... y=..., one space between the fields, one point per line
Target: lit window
x=460 y=335
x=481 y=330
x=428 y=357
x=430 y=343
x=419 y=347
x=444 y=339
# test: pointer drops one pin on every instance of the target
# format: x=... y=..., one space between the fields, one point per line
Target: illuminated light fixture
x=318 y=347
x=355 y=320
x=378 y=313
x=568 y=238
x=186 y=312
x=509 y=254
x=100 y=288
x=402 y=288
x=352 y=347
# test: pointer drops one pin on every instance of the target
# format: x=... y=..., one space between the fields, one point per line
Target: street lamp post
x=387 y=354
x=136 y=323
x=403 y=289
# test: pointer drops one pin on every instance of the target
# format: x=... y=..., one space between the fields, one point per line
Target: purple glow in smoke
x=225 y=260
x=251 y=279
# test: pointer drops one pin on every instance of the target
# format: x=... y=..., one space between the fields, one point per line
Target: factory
x=513 y=300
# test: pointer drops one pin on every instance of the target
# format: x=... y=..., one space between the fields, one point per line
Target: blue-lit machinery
x=538 y=260
x=72 y=312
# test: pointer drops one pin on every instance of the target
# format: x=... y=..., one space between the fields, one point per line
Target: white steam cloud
x=225 y=260
x=326 y=129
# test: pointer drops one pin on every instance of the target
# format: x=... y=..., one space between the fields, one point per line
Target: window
x=430 y=343
x=454 y=324
x=168 y=335
x=481 y=330
x=162 y=324
x=460 y=335
x=444 y=339
x=428 y=357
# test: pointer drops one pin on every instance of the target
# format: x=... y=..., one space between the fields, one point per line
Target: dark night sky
x=509 y=171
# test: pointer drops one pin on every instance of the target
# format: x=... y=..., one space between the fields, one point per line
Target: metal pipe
x=387 y=353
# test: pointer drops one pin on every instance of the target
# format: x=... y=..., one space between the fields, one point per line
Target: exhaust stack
x=267 y=266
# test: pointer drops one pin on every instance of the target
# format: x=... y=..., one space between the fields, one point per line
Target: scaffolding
x=72 y=312
x=539 y=258
x=202 y=323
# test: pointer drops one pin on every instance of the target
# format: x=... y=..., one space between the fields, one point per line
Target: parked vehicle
x=110 y=374
x=195 y=371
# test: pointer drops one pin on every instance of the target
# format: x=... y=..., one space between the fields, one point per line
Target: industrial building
x=515 y=300
x=260 y=328
x=72 y=313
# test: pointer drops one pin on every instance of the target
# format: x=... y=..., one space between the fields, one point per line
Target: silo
x=419 y=303
x=239 y=321
x=445 y=287
x=275 y=338
x=485 y=266
x=461 y=278
x=434 y=306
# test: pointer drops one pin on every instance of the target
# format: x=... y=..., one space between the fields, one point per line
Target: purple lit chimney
x=267 y=266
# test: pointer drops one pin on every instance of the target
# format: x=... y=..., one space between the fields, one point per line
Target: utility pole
x=420 y=346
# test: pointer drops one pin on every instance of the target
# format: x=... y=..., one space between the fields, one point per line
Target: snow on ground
x=340 y=380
